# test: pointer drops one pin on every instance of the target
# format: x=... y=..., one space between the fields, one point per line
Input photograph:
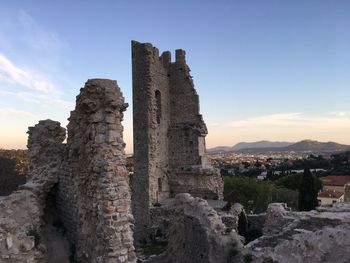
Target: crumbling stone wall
x=187 y=130
x=21 y=212
x=19 y=224
x=319 y=235
x=197 y=234
x=199 y=182
x=94 y=189
x=169 y=134
x=45 y=153
x=347 y=193
x=151 y=106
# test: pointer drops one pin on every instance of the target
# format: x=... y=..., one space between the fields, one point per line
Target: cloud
x=27 y=66
x=293 y=120
x=48 y=100
x=18 y=29
x=11 y=112
x=279 y=119
x=288 y=126
x=16 y=75
x=36 y=35
x=340 y=113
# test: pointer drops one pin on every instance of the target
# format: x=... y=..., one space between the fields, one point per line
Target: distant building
x=329 y=197
x=335 y=182
x=262 y=176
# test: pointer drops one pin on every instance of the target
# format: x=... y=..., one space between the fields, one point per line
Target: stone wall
x=197 y=234
x=151 y=108
x=187 y=129
x=21 y=212
x=20 y=221
x=198 y=181
x=347 y=193
x=169 y=133
x=45 y=154
x=319 y=235
x=94 y=189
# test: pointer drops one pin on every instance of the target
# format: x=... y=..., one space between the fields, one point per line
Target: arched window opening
x=158 y=105
x=159 y=184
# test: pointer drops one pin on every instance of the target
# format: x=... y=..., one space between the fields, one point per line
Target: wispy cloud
x=11 y=112
x=287 y=126
x=47 y=100
x=293 y=120
x=340 y=113
x=20 y=29
x=37 y=36
x=29 y=58
x=13 y=74
x=280 y=119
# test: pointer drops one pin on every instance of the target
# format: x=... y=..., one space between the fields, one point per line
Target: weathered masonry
x=92 y=194
x=169 y=134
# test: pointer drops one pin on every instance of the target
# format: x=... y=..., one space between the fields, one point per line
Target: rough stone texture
x=232 y=217
x=95 y=189
x=199 y=182
x=316 y=236
x=45 y=153
x=329 y=244
x=325 y=245
x=278 y=215
x=347 y=193
x=86 y=180
x=20 y=219
x=169 y=134
x=197 y=233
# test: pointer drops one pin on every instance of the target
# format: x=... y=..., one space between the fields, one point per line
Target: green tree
x=10 y=179
x=256 y=195
x=307 y=191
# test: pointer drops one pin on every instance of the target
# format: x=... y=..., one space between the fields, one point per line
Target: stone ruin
x=169 y=135
x=82 y=186
x=320 y=235
x=93 y=191
x=86 y=178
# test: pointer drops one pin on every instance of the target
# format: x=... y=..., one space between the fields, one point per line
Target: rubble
x=197 y=233
x=20 y=221
x=315 y=236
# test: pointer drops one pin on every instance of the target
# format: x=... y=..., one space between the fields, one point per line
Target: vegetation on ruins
x=154 y=248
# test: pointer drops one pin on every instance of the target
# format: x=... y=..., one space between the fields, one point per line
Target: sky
x=264 y=70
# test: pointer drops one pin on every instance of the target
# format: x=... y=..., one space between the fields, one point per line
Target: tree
x=307 y=191
x=255 y=195
x=9 y=177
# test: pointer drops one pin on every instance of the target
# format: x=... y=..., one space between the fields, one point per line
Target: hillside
x=267 y=146
x=259 y=144
x=248 y=145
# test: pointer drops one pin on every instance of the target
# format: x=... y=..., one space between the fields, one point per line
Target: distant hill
x=309 y=145
x=249 y=145
x=219 y=149
x=302 y=146
x=260 y=144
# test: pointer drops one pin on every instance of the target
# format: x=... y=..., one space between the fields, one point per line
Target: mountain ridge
x=260 y=146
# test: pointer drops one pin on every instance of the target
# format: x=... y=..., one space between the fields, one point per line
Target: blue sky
x=276 y=70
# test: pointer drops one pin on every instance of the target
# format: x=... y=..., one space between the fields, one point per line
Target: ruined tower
x=93 y=190
x=169 y=134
